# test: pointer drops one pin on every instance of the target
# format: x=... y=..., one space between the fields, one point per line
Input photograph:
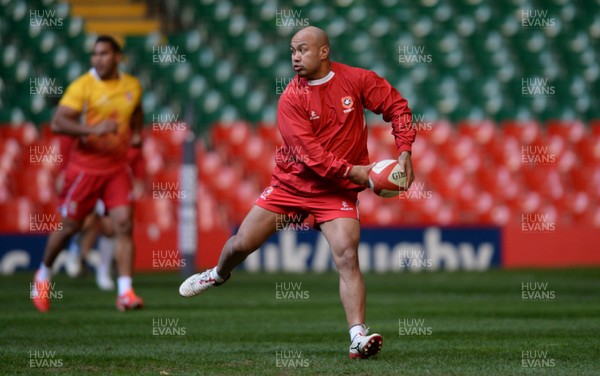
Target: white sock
x=124 y=284
x=216 y=276
x=356 y=329
x=44 y=273
x=106 y=248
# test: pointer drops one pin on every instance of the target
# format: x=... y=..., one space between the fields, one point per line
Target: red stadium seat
x=527 y=202
x=270 y=133
x=442 y=132
x=165 y=184
x=367 y=207
x=588 y=150
x=224 y=184
x=567 y=160
x=448 y=181
x=210 y=164
x=37 y=184
x=595 y=127
x=499 y=181
x=171 y=136
x=586 y=179
x=24 y=134
x=52 y=154
x=231 y=137
x=571 y=131
x=15 y=215
x=378 y=151
x=211 y=214
x=382 y=132
x=499 y=215
x=153 y=150
x=259 y=159
x=158 y=213
x=472 y=200
x=242 y=202
x=464 y=153
x=525 y=132
x=10 y=155
x=482 y=132
x=5 y=191
x=547 y=181
x=506 y=152
x=576 y=203
x=446 y=214
x=46 y=133
x=424 y=157
x=386 y=215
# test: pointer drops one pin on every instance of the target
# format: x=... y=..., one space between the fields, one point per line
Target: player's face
x=105 y=60
x=306 y=57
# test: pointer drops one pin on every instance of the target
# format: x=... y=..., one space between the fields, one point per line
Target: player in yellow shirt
x=102 y=111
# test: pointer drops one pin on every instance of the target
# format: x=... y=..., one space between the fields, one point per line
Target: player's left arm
x=381 y=97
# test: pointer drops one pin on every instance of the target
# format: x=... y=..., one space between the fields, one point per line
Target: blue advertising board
x=385 y=249
x=380 y=250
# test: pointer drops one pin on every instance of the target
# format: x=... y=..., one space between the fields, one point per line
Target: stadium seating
x=476 y=127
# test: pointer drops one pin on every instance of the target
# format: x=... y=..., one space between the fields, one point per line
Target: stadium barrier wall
x=380 y=250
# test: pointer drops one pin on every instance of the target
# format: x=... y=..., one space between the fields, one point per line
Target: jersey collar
x=323 y=80
x=97 y=77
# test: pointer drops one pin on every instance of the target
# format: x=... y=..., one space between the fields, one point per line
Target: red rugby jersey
x=324 y=131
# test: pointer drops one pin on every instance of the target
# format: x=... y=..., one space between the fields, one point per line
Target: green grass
x=479 y=326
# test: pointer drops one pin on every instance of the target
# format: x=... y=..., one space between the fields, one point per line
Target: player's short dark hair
x=110 y=40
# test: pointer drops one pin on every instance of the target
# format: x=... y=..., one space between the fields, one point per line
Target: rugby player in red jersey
x=320 y=169
x=102 y=110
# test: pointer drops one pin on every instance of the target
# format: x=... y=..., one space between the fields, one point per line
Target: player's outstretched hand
x=360 y=174
x=104 y=127
x=406 y=166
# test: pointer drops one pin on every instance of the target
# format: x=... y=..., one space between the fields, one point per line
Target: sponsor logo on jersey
x=346 y=207
x=266 y=193
x=348 y=104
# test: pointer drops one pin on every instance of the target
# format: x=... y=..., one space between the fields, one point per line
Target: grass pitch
x=432 y=324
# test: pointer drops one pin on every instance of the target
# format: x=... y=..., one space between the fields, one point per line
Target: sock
x=216 y=276
x=124 y=284
x=106 y=250
x=356 y=329
x=44 y=273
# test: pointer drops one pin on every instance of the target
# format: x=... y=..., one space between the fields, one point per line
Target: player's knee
x=123 y=226
x=240 y=244
x=70 y=228
x=347 y=259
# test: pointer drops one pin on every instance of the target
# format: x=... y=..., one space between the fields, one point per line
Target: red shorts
x=323 y=208
x=82 y=190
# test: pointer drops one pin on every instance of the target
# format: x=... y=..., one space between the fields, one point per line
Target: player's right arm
x=66 y=121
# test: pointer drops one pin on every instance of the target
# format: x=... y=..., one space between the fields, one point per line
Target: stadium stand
x=227 y=63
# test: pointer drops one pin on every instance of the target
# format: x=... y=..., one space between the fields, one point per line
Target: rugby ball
x=385 y=178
